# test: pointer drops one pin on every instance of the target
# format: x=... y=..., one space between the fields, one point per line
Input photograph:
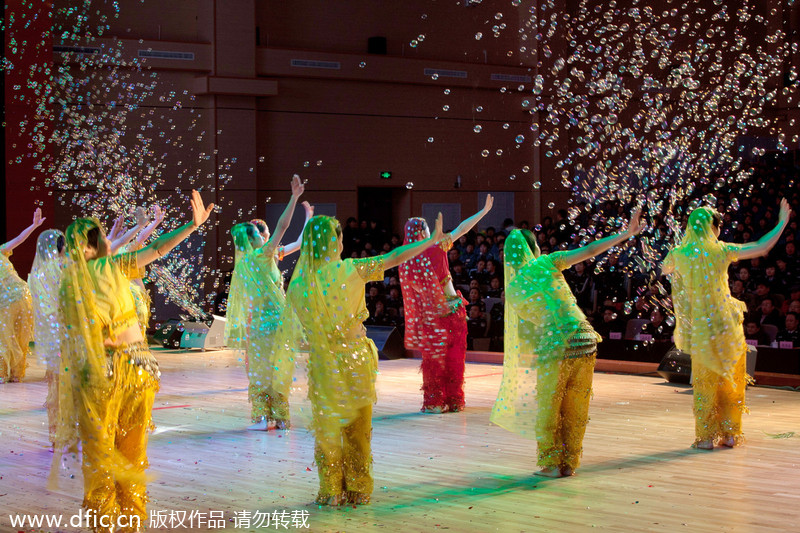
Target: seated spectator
x=752 y=332
x=641 y=309
x=610 y=323
x=380 y=317
x=494 y=269
x=763 y=292
x=768 y=314
x=790 y=333
x=794 y=306
x=474 y=300
x=658 y=327
x=790 y=256
x=747 y=281
x=479 y=273
x=580 y=281
x=373 y=295
x=495 y=288
x=777 y=285
x=477 y=326
x=483 y=252
x=394 y=302
x=738 y=292
x=460 y=277
x=469 y=257
x=453 y=255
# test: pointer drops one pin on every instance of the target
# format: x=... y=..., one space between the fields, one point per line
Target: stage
x=453 y=472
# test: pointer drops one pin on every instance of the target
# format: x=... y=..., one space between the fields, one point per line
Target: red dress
x=435 y=324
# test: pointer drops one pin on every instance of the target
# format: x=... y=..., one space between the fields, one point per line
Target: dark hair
x=716 y=219
x=93 y=237
x=530 y=238
x=60 y=243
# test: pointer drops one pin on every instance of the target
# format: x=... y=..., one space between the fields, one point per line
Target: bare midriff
x=131 y=335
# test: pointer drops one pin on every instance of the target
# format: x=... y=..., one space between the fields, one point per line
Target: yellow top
x=328 y=296
x=111 y=277
x=708 y=322
x=12 y=287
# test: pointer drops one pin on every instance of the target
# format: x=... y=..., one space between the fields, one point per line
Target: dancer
x=327 y=293
x=16 y=312
x=709 y=322
x=435 y=319
x=257 y=317
x=44 y=282
x=546 y=331
x=109 y=377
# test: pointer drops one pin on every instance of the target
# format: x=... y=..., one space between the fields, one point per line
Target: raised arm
x=162 y=246
x=469 y=223
x=124 y=239
x=293 y=247
x=598 y=247
x=19 y=239
x=763 y=245
x=400 y=255
x=286 y=217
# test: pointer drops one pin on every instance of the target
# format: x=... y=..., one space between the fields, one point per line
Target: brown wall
x=248 y=120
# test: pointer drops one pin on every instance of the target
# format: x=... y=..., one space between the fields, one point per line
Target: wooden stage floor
x=454 y=472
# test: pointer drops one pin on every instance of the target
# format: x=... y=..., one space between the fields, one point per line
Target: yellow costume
x=328 y=296
x=16 y=321
x=709 y=327
x=547 y=335
x=259 y=323
x=106 y=393
x=45 y=282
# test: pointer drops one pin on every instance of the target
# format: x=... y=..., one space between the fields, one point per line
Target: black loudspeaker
x=376 y=45
x=388 y=340
x=676 y=366
x=169 y=333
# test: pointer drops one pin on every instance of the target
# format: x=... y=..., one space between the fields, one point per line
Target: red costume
x=435 y=323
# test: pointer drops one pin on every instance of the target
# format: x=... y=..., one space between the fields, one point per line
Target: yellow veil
x=85 y=381
x=515 y=407
x=323 y=291
x=708 y=319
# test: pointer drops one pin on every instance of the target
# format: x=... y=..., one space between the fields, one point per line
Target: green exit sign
x=386 y=175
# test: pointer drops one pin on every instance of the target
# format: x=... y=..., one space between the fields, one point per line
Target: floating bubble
x=477 y=128
x=537 y=184
x=410 y=185
x=478 y=36
x=362 y=64
x=430 y=139
x=520 y=139
x=485 y=153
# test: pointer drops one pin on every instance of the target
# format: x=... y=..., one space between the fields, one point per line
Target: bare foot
x=549 y=471
x=336 y=499
x=567 y=471
x=261 y=425
x=704 y=445
x=729 y=441
x=282 y=424
x=437 y=410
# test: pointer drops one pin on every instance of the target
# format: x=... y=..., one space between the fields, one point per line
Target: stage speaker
x=376 y=45
x=676 y=366
x=200 y=335
x=169 y=333
x=388 y=340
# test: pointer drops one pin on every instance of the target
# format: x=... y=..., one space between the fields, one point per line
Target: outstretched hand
x=200 y=212
x=117 y=228
x=309 y=209
x=489 y=202
x=297 y=186
x=438 y=234
x=38 y=220
x=785 y=212
x=157 y=213
x=141 y=217
x=635 y=224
